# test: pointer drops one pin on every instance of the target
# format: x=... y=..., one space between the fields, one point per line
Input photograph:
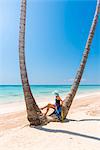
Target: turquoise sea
x=13 y=93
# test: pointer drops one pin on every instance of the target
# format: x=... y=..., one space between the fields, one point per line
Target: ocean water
x=14 y=93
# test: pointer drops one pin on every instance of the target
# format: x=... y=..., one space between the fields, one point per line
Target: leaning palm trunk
x=68 y=100
x=34 y=114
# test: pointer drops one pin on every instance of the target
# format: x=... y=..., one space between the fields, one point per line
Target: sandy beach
x=50 y=49
x=80 y=132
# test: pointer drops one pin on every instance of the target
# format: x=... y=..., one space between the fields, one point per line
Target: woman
x=56 y=106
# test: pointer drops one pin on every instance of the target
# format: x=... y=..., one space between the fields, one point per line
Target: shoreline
x=10 y=107
x=81 y=132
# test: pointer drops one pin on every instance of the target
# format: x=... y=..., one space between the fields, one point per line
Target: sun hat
x=56 y=93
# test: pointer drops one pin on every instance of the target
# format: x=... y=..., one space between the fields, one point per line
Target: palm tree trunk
x=68 y=100
x=34 y=114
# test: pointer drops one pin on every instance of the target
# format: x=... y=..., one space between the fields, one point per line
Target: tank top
x=57 y=102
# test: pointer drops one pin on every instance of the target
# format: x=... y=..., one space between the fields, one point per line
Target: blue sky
x=56 y=33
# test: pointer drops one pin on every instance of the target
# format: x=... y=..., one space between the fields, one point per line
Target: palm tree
x=68 y=100
x=34 y=114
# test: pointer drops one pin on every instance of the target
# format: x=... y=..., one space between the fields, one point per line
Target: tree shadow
x=70 y=132
x=67 y=132
x=68 y=120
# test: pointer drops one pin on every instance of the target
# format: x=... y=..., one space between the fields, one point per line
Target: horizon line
x=50 y=84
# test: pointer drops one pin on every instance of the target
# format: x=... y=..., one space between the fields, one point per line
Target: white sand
x=82 y=132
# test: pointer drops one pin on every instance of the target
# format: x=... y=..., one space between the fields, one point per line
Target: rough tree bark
x=68 y=100
x=34 y=114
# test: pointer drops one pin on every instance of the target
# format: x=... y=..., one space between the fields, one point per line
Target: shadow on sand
x=70 y=132
x=68 y=120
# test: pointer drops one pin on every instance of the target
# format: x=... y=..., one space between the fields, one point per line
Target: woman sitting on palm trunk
x=56 y=106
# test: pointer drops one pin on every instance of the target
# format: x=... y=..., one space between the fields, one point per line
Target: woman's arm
x=60 y=100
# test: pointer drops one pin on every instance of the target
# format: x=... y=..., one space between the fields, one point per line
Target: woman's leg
x=48 y=107
x=44 y=107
